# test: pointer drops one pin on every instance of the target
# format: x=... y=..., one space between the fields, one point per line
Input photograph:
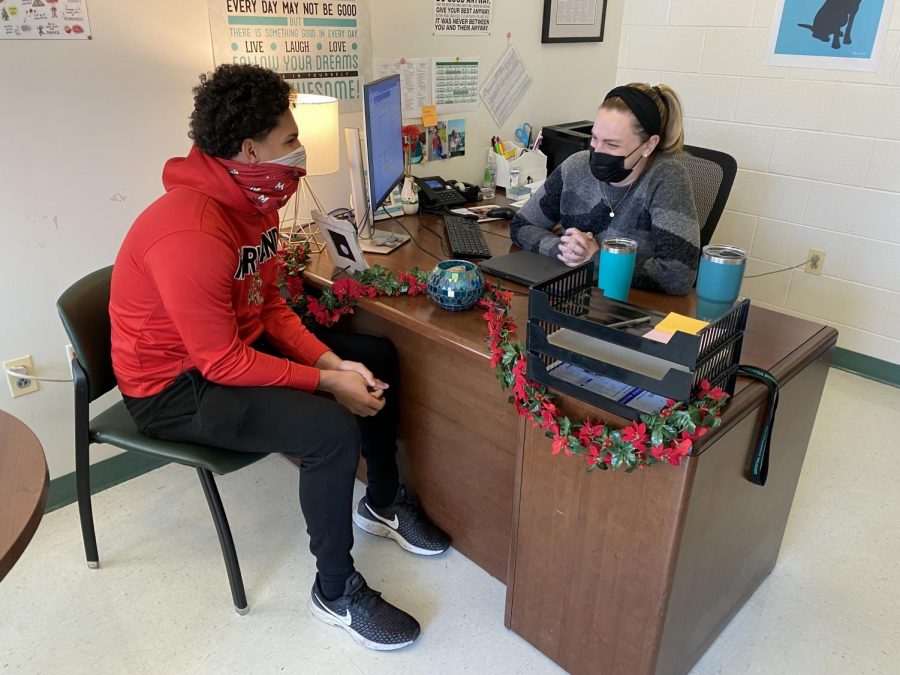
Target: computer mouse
x=501 y=212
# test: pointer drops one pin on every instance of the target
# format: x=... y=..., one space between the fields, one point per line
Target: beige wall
x=87 y=125
x=818 y=152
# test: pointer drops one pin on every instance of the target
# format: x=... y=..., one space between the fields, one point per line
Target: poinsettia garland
x=665 y=436
x=344 y=293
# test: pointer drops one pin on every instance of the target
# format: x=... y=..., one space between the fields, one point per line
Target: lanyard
x=758 y=468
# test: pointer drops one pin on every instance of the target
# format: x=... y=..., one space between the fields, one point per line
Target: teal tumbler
x=721 y=273
x=616 y=267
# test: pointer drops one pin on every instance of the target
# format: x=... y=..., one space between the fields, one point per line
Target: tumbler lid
x=724 y=255
x=619 y=245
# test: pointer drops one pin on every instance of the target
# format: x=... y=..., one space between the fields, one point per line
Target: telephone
x=436 y=193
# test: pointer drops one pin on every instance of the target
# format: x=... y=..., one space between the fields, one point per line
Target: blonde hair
x=670 y=113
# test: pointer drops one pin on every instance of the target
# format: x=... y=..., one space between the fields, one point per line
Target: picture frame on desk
x=341 y=242
x=573 y=21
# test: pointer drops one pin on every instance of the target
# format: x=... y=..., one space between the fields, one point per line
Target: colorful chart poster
x=318 y=47
x=455 y=84
x=462 y=17
x=835 y=34
x=44 y=20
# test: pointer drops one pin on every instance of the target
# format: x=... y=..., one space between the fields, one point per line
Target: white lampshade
x=317 y=124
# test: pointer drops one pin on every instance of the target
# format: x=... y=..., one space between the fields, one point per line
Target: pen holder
x=616 y=267
x=455 y=285
x=532 y=166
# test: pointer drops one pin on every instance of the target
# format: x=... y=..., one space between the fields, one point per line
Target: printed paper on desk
x=679 y=322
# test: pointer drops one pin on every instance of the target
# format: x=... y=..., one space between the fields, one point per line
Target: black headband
x=642 y=105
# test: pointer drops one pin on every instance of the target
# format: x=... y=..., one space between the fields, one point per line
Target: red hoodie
x=194 y=285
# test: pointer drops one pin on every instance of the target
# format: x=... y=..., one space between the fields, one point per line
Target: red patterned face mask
x=268 y=185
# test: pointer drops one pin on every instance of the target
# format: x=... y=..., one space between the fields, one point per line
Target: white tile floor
x=160 y=603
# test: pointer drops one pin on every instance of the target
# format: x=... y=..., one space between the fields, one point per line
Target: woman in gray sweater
x=628 y=185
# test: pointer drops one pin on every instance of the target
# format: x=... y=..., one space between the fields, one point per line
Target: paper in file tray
x=571 y=326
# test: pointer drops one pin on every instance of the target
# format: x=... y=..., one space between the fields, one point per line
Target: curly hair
x=233 y=103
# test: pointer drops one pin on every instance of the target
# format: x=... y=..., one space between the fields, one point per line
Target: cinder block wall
x=818 y=153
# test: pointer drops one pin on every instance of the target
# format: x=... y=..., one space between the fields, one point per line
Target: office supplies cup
x=720 y=276
x=617 y=257
x=455 y=285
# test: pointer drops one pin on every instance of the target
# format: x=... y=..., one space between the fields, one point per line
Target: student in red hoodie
x=205 y=349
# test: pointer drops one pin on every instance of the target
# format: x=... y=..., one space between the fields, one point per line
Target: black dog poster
x=836 y=34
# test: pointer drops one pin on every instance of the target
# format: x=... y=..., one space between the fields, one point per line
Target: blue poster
x=829 y=33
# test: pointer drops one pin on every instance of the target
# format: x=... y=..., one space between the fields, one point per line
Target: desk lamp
x=317 y=124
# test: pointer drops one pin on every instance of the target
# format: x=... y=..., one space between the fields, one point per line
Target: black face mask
x=611 y=168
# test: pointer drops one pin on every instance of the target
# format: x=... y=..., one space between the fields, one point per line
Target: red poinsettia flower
x=636 y=433
x=548 y=422
x=561 y=443
x=414 y=286
x=549 y=408
x=496 y=357
x=673 y=452
x=520 y=366
x=294 y=287
x=716 y=394
x=588 y=433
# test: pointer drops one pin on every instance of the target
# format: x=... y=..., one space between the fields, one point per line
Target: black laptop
x=524 y=267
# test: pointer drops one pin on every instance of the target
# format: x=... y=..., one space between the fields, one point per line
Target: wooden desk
x=458 y=435
x=609 y=573
x=23 y=489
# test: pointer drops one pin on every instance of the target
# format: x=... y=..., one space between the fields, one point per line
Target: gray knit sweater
x=658 y=212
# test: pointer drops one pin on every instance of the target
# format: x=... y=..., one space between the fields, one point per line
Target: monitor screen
x=384 y=139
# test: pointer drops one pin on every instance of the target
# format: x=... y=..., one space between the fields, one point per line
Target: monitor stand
x=382 y=241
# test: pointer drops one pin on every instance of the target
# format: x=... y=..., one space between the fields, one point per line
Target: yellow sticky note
x=675 y=322
x=429 y=115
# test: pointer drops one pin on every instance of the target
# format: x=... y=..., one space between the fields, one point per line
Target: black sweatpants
x=322 y=434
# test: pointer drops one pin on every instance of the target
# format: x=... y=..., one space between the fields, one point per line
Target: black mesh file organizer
x=570 y=302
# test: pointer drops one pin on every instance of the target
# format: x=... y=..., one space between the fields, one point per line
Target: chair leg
x=225 y=540
x=83 y=465
x=85 y=512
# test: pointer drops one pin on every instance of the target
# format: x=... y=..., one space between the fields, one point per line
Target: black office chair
x=84 y=310
x=712 y=175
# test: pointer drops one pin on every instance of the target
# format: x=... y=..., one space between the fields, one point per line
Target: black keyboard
x=466 y=238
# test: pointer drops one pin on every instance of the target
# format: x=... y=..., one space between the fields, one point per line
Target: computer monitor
x=383 y=151
x=384 y=140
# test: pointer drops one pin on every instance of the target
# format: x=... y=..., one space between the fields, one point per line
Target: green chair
x=84 y=310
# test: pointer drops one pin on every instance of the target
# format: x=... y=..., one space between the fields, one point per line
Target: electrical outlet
x=19 y=386
x=70 y=354
x=816 y=262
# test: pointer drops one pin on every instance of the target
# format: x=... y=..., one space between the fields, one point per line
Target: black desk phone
x=435 y=192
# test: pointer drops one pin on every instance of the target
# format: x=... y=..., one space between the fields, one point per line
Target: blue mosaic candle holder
x=455 y=285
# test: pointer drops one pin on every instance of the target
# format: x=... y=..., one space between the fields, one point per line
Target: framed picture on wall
x=573 y=20
x=835 y=34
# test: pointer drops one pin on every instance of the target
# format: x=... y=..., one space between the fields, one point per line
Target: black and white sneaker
x=403 y=522
x=371 y=621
